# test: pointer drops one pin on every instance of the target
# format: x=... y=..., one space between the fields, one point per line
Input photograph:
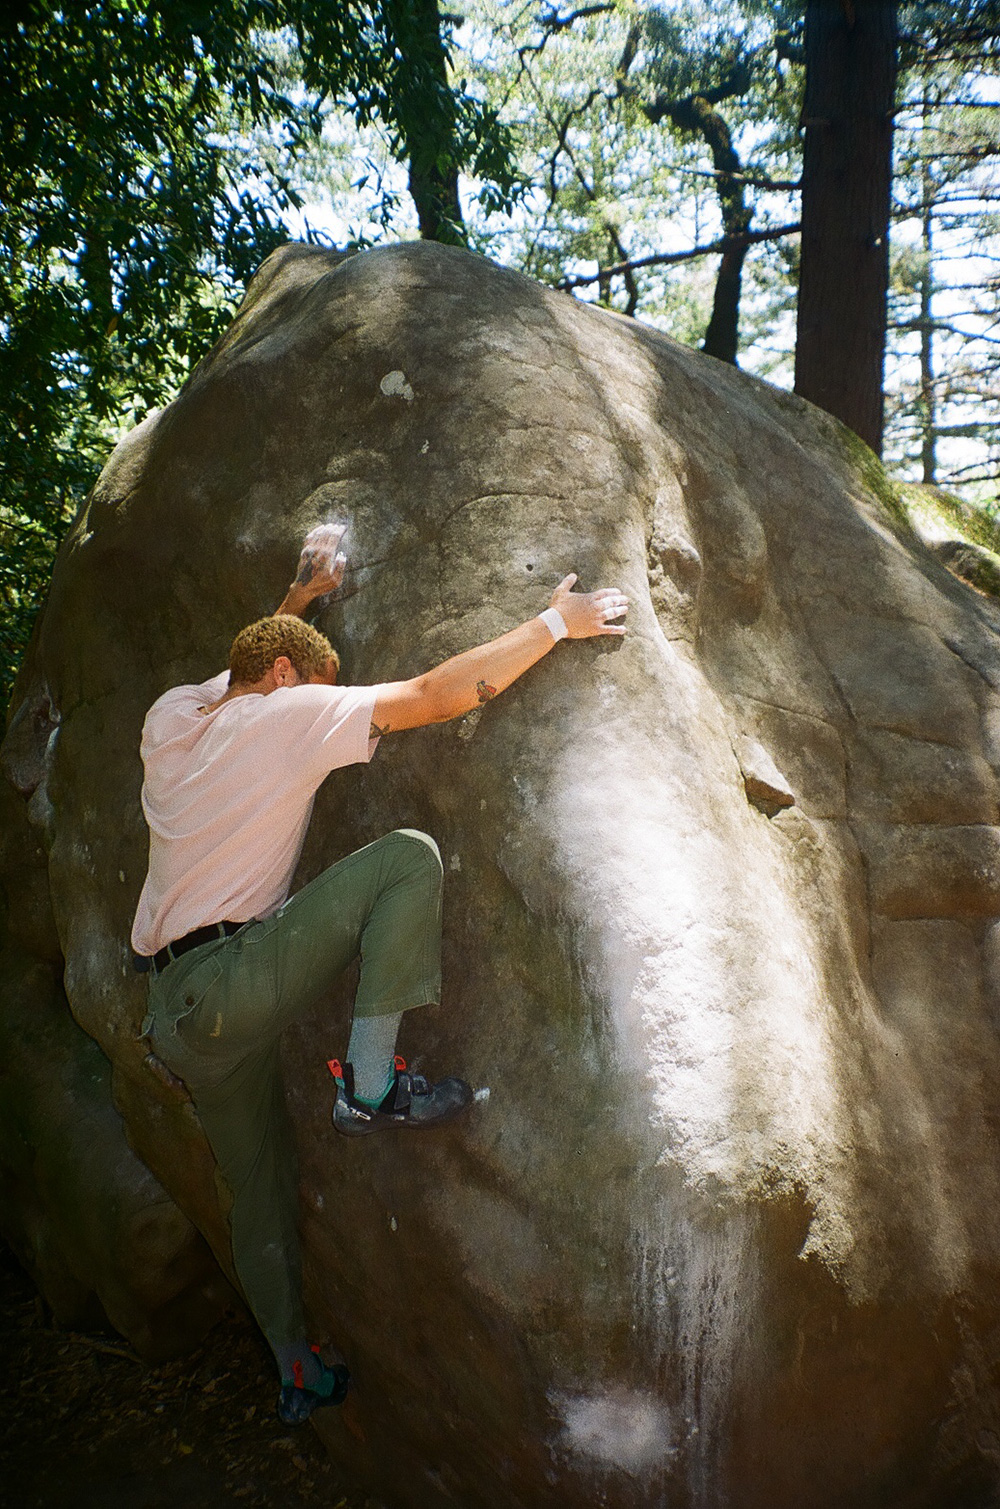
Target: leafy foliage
x=147 y=167
x=127 y=226
x=626 y=162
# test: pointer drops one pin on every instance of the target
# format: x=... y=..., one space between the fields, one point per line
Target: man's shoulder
x=197 y=692
x=177 y=706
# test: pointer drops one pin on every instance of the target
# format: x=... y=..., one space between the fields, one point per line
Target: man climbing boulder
x=232 y=765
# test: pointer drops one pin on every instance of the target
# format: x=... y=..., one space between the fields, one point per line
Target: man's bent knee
x=431 y=852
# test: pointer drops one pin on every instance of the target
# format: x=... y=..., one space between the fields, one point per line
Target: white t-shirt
x=228 y=796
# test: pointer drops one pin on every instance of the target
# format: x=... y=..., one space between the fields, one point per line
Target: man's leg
x=237 y=1091
x=246 y=1123
x=219 y=1009
x=382 y=902
x=244 y=1118
x=391 y=890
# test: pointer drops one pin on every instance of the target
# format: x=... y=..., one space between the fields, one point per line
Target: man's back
x=228 y=795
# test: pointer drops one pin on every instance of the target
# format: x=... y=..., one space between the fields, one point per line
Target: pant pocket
x=173 y=1001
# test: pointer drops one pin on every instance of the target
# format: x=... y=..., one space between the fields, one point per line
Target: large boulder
x=722 y=932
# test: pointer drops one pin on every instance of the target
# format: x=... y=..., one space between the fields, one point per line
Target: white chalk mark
x=617 y=1429
x=394 y=385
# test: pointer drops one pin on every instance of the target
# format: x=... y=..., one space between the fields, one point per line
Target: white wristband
x=555 y=623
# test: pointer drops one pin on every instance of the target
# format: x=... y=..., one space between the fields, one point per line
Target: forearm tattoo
x=485 y=692
x=307 y=570
x=375 y=732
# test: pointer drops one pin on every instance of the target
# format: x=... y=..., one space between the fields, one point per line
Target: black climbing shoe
x=411 y=1101
x=296 y=1402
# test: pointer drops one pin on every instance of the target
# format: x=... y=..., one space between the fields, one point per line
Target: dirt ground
x=84 y=1424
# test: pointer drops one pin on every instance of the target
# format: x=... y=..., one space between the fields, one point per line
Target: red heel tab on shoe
x=314 y=1347
x=399 y=1063
x=333 y=1064
x=297 y=1374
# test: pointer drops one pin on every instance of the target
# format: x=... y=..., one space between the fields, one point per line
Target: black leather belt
x=171 y=951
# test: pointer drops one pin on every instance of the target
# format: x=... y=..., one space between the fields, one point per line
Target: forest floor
x=84 y=1424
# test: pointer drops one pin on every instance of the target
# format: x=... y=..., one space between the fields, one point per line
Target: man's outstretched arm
x=475 y=677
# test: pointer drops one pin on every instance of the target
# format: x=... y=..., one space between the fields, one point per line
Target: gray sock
x=370 y=1054
x=298 y=1352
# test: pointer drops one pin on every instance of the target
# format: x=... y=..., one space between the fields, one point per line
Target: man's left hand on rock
x=320 y=570
x=322 y=562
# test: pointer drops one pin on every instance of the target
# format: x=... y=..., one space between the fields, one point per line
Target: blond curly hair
x=257 y=647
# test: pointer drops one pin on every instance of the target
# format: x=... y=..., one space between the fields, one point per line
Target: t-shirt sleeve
x=329 y=726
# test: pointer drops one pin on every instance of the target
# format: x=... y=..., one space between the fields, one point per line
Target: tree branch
x=628 y=56
x=664 y=259
x=747 y=177
x=553 y=22
x=682 y=111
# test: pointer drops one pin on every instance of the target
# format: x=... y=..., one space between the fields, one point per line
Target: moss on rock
x=964 y=538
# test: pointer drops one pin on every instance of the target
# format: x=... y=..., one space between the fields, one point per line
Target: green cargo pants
x=216 y=1012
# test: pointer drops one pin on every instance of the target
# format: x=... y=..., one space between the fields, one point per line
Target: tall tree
x=583 y=85
x=850 y=48
x=389 y=61
x=428 y=117
x=698 y=113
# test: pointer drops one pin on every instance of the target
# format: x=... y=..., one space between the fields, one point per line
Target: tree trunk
x=928 y=403
x=846 y=180
x=426 y=114
x=723 y=333
x=696 y=113
x=928 y=406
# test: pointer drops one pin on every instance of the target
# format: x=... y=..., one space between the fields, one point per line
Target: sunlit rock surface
x=722 y=913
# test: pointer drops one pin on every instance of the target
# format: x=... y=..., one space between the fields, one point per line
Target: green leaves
x=146 y=170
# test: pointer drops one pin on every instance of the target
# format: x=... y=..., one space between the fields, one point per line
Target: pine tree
x=850 y=57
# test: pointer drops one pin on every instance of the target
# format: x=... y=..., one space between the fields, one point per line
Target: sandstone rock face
x=722 y=911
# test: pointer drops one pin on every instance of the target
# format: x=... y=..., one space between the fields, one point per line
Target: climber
x=231 y=769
